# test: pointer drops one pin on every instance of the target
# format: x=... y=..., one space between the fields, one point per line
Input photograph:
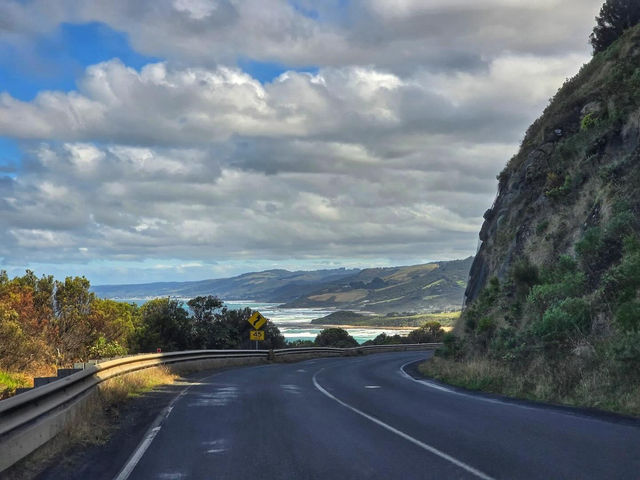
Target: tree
x=384 y=339
x=164 y=324
x=205 y=327
x=236 y=330
x=615 y=17
x=335 y=337
x=430 y=332
x=113 y=326
x=73 y=331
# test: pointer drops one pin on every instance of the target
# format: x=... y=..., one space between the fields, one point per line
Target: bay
x=294 y=323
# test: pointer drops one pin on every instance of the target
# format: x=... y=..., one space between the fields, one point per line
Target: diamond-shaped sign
x=257 y=321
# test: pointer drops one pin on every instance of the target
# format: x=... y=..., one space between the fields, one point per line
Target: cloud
x=394 y=34
x=160 y=105
x=387 y=150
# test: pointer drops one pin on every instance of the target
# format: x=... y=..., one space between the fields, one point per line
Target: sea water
x=294 y=323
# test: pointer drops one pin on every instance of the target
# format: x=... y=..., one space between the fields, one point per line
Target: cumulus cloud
x=396 y=34
x=387 y=150
x=162 y=105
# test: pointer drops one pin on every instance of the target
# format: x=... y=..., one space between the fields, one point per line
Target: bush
x=615 y=17
x=525 y=275
x=335 y=337
x=589 y=246
x=622 y=282
x=483 y=304
x=543 y=296
x=430 y=332
x=625 y=350
x=628 y=316
x=563 y=321
x=452 y=346
x=486 y=325
x=384 y=339
x=105 y=349
x=588 y=122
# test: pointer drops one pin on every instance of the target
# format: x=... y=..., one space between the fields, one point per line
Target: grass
x=600 y=389
x=94 y=421
x=9 y=382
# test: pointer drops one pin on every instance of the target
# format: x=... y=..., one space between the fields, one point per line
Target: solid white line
x=153 y=430
x=442 y=388
x=137 y=455
x=411 y=439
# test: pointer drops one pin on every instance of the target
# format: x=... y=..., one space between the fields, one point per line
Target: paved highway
x=363 y=418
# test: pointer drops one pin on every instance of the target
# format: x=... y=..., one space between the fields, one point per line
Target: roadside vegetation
x=429 y=332
x=47 y=324
x=560 y=321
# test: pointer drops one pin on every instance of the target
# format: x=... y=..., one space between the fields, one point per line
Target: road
x=363 y=418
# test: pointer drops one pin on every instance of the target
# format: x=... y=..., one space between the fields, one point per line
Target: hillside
x=553 y=308
x=430 y=287
x=343 y=317
x=268 y=286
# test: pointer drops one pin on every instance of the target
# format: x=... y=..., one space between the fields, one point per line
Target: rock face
x=577 y=162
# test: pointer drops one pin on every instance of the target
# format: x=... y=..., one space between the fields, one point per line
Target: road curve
x=363 y=418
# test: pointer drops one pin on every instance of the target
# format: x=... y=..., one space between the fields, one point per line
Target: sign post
x=257 y=321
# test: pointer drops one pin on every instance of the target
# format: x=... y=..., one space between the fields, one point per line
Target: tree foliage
x=335 y=337
x=45 y=323
x=615 y=17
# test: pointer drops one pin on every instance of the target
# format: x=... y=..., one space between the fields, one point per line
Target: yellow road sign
x=257 y=321
x=256 y=335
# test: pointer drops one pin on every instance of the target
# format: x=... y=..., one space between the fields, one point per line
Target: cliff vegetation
x=553 y=301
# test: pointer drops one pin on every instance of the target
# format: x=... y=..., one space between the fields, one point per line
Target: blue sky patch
x=266 y=72
x=55 y=60
x=9 y=154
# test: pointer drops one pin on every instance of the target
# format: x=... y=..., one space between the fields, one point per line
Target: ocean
x=295 y=323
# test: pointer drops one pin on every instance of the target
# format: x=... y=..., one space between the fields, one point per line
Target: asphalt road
x=362 y=418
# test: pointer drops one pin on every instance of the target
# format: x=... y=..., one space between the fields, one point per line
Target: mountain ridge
x=434 y=286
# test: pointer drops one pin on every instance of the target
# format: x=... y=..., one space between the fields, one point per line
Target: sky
x=169 y=140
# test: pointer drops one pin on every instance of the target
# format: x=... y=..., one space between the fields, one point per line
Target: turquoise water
x=294 y=323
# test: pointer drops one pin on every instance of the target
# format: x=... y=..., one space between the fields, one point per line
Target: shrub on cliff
x=615 y=17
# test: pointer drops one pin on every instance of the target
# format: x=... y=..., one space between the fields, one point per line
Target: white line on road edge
x=153 y=431
x=455 y=392
x=411 y=439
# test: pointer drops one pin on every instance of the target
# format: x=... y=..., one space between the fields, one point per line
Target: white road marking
x=442 y=388
x=216 y=446
x=137 y=455
x=295 y=389
x=221 y=397
x=153 y=431
x=372 y=386
x=407 y=437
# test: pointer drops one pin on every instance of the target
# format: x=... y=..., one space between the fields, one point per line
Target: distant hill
x=418 y=288
x=268 y=286
x=342 y=317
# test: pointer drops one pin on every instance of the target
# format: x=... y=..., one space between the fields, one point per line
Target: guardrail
x=29 y=420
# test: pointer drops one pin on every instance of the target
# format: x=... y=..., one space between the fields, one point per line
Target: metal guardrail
x=29 y=420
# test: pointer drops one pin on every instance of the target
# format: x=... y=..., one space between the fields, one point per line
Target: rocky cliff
x=553 y=302
x=576 y=169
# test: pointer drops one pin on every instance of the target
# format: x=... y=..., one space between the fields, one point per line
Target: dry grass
x=118 y=389
x=94 y=420
x=570 y=385
x=478 y=374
